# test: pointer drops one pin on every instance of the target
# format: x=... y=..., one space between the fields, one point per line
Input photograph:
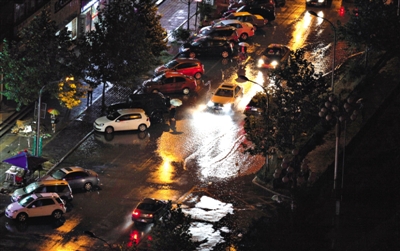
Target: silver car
x=77 y=177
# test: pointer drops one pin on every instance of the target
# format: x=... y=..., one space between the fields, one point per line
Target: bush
x=181 y=34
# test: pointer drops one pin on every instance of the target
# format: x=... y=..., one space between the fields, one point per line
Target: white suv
x=36 y=205
x=123 y=120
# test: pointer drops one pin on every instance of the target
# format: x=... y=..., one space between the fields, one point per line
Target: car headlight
x=260 y=62
x=226 y=107
x=210 y=104
x=101 y=124
x=274 y=63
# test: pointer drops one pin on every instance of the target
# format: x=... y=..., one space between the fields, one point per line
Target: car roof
x=222 y=28
x=135 y=96
x=71 y=169
x=231 y=21
x=51 y=182
x=186 y=60
x=271 y=46
x=150 y=201
x=174 y=74
x=242 y=13
x=43 y=195
x=212 y=38
x=130 y=110
x=227 y=86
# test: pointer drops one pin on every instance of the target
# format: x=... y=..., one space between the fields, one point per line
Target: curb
x=255 y=181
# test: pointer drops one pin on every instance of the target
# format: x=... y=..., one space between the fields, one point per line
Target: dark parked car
x=148 y=209
x=77 y=177
x=154 y=104
x=206 y=46
x=225 y=32
x=254 y=106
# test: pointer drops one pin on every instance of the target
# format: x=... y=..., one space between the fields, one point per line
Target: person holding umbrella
x=53 y=118
x=172 y=112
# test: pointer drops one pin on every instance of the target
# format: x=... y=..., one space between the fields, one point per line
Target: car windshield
x=206 y=32
x=58 y=175
x=31 y=187
x=113 y=115
x=224 y=93
x=158 y=78
x=219 y=24
x=273 y=53
x=171 y=64
x=25 y=201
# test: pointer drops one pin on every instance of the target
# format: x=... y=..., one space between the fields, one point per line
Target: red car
x=188 y=66
x=170 y=82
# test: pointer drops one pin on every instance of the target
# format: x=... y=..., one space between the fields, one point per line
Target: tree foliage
x=292 y=110
x=172 y=231
x=125 y=43
x=373 y=24
x=41 y=57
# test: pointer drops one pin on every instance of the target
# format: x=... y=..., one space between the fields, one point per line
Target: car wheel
x=244 y=36
x=186 y=91
x=22 y=217
x=192 y=55
x=142 y=127
x=57 y=214
x=197 y=75
x=88 y=186
x=109 y=129
x=225 y=54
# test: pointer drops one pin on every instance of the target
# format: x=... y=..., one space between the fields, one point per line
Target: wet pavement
x=73 y=128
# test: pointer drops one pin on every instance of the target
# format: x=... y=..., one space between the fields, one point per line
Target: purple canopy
x=26 y=161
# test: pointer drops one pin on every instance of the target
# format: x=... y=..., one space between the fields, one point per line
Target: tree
x=172 y=231
x=40 y=57
x=374 y=25
x=291 y=112
x=125 y=43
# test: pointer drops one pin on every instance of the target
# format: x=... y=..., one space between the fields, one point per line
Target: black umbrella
x=26 y=161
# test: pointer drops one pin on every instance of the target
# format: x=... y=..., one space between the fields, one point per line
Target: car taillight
x=341 y=11
x=135 y=213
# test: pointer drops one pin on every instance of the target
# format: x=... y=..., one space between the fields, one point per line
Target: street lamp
x=332 y=110
x=334 y=47
x=38 y=114
x=267 y=120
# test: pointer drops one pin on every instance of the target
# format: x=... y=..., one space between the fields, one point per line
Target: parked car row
x=49 y=195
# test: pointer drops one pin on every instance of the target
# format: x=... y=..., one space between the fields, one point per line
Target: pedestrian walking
x=53 y=120
x=89 y=95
